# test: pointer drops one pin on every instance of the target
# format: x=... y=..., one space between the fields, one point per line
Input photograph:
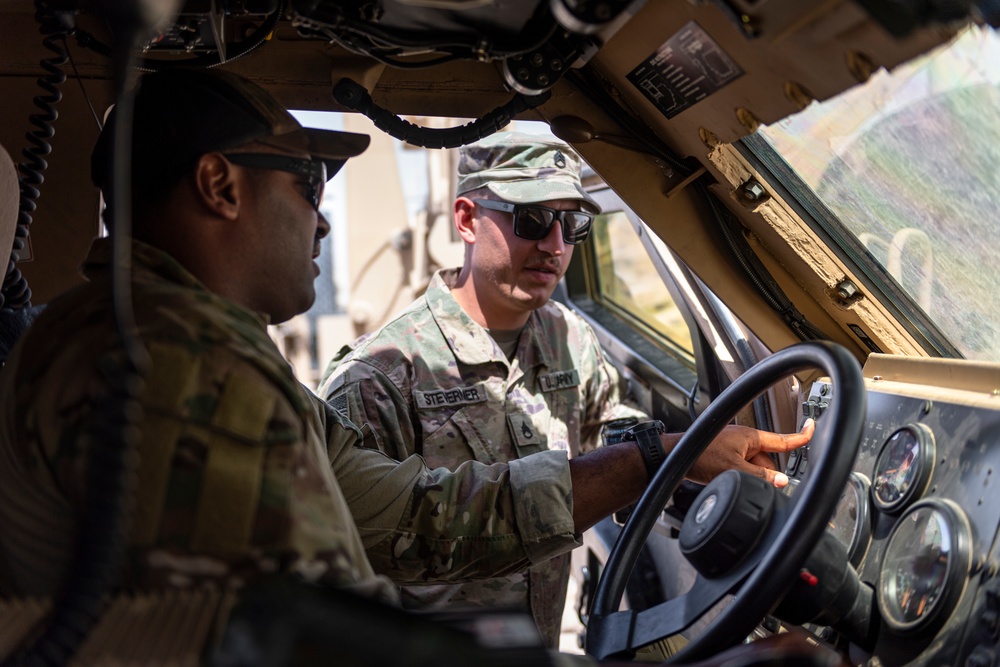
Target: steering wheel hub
x=729 y=517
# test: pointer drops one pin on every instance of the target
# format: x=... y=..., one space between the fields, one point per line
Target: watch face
x=618 y=430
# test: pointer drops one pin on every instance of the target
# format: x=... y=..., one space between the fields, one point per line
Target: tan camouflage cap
x=523 y=169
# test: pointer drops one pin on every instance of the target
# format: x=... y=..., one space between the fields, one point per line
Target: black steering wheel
x=760 y=577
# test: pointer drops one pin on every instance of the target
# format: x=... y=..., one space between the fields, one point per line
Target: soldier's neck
x=483 y=312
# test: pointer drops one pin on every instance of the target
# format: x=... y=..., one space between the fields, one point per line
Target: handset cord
x=354 y=96
x=111 y=430
x=55 y=26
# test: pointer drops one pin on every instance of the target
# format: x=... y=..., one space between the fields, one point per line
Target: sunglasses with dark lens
x=314 y=171
x=534 y=222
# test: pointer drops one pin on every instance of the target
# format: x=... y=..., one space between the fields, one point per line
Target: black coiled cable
x=355 y=97
x=111 y=429
x=55 y=26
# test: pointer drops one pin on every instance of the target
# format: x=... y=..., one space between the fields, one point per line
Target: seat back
x=13 y=323
x=9 y=204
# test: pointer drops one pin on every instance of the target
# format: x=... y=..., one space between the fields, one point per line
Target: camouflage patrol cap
x=523 y=169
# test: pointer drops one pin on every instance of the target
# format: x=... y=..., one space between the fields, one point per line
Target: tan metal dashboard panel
x=959 y=381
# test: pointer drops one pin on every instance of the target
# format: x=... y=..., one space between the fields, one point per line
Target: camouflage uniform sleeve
x=232 y=477
x=606 y=393
x=425 y=526
x=364 y=395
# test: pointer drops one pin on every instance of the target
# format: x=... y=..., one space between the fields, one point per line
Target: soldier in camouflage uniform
x=484 y=366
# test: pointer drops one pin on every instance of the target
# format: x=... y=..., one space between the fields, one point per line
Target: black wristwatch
x=647 y=436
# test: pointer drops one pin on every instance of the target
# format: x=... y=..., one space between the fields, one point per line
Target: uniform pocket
x=457 y=439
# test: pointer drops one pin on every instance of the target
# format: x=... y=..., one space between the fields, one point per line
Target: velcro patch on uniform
x=339 y=403
x=559 y=380
x=334 y=384
x=228 y=502
x=527 y=438
x=446 y=398
x=245 y=406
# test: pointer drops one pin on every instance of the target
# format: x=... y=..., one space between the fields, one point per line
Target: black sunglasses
x=313 y=170
x=534 y=222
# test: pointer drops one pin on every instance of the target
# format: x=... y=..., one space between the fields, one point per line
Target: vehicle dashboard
x=918 y=516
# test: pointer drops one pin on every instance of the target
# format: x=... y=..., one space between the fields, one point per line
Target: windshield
x=910 y=165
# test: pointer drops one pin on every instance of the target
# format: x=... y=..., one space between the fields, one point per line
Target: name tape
x=559 y=380
x=443 y=398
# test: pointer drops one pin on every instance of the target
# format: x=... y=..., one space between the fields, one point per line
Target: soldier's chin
x=536 y=298
x=288 y=310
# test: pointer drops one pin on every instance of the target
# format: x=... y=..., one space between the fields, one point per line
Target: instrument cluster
x=918 y=518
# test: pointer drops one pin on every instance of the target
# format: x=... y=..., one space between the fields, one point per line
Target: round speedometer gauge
x=903 y=468
x=851 y=520
x=925 y=567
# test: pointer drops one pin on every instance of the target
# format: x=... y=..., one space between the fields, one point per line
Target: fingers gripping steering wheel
x=763 y=575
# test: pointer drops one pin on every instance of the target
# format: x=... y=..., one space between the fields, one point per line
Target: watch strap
x=647 y=436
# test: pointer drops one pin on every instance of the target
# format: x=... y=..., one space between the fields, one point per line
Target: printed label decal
x=686 y=69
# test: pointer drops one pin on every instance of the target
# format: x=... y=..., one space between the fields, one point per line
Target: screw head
x=846 y=289
x=753 y=190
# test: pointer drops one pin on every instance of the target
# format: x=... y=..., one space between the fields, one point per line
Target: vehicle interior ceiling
x=600 y=84
x=790 y=54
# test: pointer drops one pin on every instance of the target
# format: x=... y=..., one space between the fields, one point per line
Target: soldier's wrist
x=648 y=437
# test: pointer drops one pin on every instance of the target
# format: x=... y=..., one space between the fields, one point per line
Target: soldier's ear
x=218 y=185
x=465 y=219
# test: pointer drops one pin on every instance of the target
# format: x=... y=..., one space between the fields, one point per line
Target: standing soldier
x=484 y=366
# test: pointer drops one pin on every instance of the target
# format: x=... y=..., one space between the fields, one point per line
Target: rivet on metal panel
x=708 y=138
x=747 y=119
x=860 y=65
x=799 y=95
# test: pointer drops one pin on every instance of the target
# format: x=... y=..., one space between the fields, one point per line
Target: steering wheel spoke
x=676 y=615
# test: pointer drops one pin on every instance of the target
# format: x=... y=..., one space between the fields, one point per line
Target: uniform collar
x=469 y=342
x=152 y=264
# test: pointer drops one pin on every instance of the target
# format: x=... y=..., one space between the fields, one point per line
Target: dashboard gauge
x=925 y=567
x=851 y=522
x=903 y=468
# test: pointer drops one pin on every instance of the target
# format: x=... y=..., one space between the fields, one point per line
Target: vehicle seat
x=13 y=323
x=10 y=200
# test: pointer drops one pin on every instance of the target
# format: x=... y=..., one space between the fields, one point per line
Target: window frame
x=875 y=279
x=655 y=366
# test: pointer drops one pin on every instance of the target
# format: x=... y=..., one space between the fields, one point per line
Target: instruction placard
x=686 y=69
